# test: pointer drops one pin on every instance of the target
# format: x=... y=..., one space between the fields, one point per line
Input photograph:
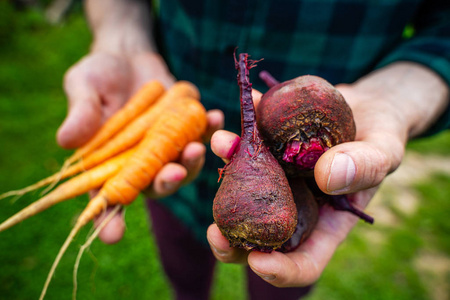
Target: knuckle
x=380 y=160
x=388 y=159
x=379 y=167
x=70 y=76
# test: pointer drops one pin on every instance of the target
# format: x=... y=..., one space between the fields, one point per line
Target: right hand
x=96 y=87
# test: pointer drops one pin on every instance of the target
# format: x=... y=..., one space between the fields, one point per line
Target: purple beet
x=254 y=206
x=307 y=212
x=302 y=118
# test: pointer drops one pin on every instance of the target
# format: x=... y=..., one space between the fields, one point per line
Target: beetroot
x=302 y=118
x=254 y=206
x=307 y=213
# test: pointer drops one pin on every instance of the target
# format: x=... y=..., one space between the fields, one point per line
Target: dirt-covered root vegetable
x=254 y=207
x=308 y=214
x=302 y=118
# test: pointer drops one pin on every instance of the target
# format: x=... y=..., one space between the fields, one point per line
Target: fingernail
x=193 y=162
x=170 y=185
x=268 y=277
x=342 y=173
x=219 y=253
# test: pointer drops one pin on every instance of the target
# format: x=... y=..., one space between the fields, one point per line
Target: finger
x=299 y=268
x=216 y=121
x=256 y=95
x=305 y=265
x=355 y=166
x=148 y=66
x=113 y=230
x=173 y=175
x=221 y=247
x=167 y=181
x=96 y=88
x=224 y=143
x=84 y=116
x=193 y=159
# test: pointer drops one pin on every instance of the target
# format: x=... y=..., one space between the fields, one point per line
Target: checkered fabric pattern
x=339 y=40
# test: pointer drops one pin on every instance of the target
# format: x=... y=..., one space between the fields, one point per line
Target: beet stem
x=268 y=79
x=249 y=129
x=340 y=202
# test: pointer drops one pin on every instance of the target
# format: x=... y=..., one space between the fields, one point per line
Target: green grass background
x=33 y=59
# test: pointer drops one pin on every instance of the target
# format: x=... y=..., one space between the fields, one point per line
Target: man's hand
x=389 y=106
x=96 y=88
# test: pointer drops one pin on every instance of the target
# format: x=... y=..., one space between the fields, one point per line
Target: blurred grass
x=375 y=262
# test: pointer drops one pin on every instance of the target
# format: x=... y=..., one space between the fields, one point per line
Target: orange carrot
x=178 y=126
x=76 y=186
x=136 y=130
x=121 y=141
x=137 y=104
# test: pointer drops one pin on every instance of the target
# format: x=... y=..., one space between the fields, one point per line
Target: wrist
x=414 y=94
x=124 y=41
x=120 y=27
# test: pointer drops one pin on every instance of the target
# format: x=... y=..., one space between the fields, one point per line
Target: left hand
x=388 y=107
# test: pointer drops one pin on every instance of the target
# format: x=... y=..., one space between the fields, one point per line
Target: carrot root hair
x=93 y=209
x=88 y=243
x=61 y=252
x=137 y=104
x=57 y=178
x=50 y=181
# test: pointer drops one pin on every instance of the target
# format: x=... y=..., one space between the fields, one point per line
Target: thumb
x=355 y=166
x=256 y=96
x=84 y=116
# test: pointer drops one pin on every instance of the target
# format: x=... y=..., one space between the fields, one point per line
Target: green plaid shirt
x=339 y=40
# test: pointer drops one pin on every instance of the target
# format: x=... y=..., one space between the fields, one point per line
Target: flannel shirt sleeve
x=430 y=46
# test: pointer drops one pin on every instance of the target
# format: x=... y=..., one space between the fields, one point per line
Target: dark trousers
x=189 y=264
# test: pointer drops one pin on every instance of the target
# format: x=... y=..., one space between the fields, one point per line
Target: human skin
x=390 y=106
x=121 y=59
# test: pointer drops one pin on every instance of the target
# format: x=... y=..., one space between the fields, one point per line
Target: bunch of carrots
x=123 y=158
